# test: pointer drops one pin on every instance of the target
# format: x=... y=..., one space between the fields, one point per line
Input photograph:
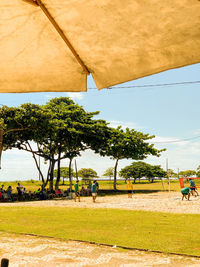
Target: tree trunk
x=58 y=173
x=48 y=175
x=115 y=176
x=37 y=165
x=70 y=174
x=76 y=171
x=51 y=175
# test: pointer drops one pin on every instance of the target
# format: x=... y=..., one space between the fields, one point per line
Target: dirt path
x=164 y=202
x=22 y=250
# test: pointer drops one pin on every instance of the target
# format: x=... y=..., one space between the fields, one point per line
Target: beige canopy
x=52 y=45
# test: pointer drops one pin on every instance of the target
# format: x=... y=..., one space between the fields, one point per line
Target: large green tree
x=129 y=144
x=76 y=131
x=34 y=126
x=60 y=129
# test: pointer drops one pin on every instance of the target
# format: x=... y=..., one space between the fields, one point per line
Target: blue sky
x=169 y=112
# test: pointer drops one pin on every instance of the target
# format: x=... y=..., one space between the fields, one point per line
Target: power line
x=132 y=86
x=149 y=85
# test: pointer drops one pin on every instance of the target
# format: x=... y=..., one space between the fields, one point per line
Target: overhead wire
x=113 y=91
x=148 y=85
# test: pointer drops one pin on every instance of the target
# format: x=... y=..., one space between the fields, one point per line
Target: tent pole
x=59 y=30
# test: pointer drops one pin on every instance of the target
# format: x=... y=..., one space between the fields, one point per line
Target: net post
x=181 y=182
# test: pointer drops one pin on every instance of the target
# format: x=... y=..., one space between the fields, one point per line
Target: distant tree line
x=140 y=169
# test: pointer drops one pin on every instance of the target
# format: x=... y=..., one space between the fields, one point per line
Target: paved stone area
x=23 y=250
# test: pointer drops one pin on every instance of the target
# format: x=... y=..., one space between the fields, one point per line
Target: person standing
x=130 y=188
x=9 y=192
x=76 y=190
x=2 y=188
x=94 y=191
x=97 y=185
x=19 y=192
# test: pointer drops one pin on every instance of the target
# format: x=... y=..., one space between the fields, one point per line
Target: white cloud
x=197 y=132
x=75 y=95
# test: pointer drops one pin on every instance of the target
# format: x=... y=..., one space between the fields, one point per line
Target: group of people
x=191 y=190
x=23 y=194
x=93 y=189
x=6 y=194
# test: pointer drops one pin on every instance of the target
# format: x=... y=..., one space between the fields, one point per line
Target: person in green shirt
x=94 y=191
x=186 y=193
x=193 y=187
x=76 y=190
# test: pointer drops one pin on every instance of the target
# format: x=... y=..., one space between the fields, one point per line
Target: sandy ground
x=165 y=202
x=37 y=251
x=22 y=250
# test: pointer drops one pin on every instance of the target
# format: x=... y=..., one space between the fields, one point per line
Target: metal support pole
x=168 y=176
x=4 y=262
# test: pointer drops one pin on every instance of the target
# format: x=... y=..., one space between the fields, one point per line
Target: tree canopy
x=57 y=130
x=187 y=173
x=141 y=169
x=109 y=172
x=87 y=173
x=129 y=144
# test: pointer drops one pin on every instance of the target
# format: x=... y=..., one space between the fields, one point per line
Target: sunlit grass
x=178 y=233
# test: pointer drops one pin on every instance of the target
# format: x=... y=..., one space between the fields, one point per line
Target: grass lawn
x=178 y=233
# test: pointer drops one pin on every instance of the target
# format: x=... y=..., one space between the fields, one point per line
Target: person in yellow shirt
x=130 y=188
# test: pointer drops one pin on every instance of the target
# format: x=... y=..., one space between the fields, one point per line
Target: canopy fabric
x=118 y=41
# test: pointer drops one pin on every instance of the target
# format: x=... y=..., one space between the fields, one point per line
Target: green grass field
x=177 y=233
